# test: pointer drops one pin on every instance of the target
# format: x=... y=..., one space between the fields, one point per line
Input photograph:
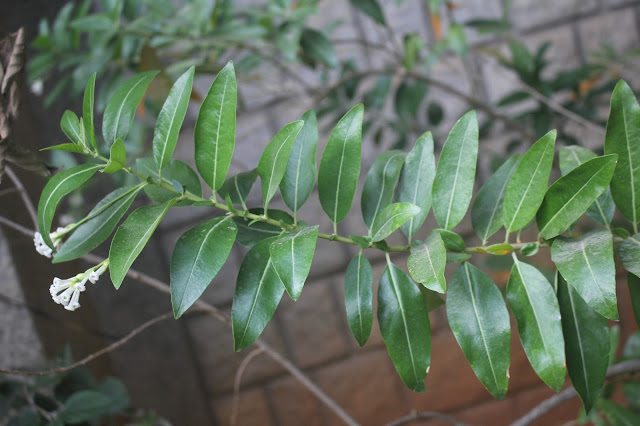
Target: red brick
x=253 y=409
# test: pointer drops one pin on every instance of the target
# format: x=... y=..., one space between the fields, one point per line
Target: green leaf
x=251 y=233
x=530 y=249
x=273 y=162
x=258 y=293
x=165 y=135
x=617 y=414
x=535 y=307
x=362 y=242
x=175 y=170
x=452 y=241
x=92 y=24
x=391 y=218
x=623 y=132
x=586 y=338
x=197 y=258
x=238 y=186
x=87 y=110
x=499 y=249
x=291 y=256
x=69 y=147
x=379 y=185
x=486 y=212
x=118 y=115
x=115 y=390
x=57 y=187
x=70 y=125
x=427 y=261
x=629 y=254
x=358 y=295
x=318 y=47
x=117 y=157
x=457 y=257
x=528 y=184
x=587 y=265
x=85 y=406
x=405 y=327
x=456 y=171
x=340 y=165
x=416 y=180
x=300 y=174
x=457 y=40
x=480 y=322
x=131 y=237
x=215 y=130
x=103 y=219
x=634 y=292
x=371 y=8
x=603 y=208
x=571 y=195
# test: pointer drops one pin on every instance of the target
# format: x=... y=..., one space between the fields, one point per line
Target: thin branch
x=24 y=195
x=8 y=191
x=235 y=405
x=424 y=415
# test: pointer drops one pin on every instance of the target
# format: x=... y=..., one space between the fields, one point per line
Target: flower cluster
x=67 y=292
x=56 y=238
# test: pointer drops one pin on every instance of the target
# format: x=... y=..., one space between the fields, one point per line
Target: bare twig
x=8 y=191
x=424 y=415
x=24 y=195
x=237 y=382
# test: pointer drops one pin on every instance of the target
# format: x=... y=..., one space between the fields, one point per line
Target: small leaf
x=251 y=233
x=571 y=195
x=371 y=8
x=528 y=184
x=391 y=218
x=258 y=293
x=379 y=185
x=629 y=254
x=238 y=186
x=457 y=40
x=530 y=249
x=215 y=130
x=480 y=322
x=117 y=157
x=87 y=110
x=452 y=241
x=291 y=256
x=499 y=249
x=457 y=257
x=358 y=294
x=71 y=127
x=362 y=242
x=57 y=187
x=318 y=47
x=404 y=324
x=85 y=406
x=118 y=115
x=587 y=265
x=175 y=170
x=427 y=261
x=456 y=171
x=69 y=147
x=197 y=258
x=131 y=237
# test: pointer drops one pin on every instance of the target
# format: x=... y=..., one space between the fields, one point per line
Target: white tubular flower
x=67 y=292
x=41 y=246
x=95 y=275
x=56 y=238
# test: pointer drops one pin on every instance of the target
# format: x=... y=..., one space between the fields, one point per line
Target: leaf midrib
x=255 y=300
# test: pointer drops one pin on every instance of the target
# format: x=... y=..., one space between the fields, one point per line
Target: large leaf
x=103 y=219
x=371 y=8
x=391 y=218
x=174 y=170
x=118 y=115
x=480 y=322
x=273 y=162
x=534 y=304
x=197 y=258
x=87 y=110
x=427 y=261
x=622 y=137
x=405 y=327
x=238 y=186
x=380 y=183
x=251 y=233
x=456 y=171
x=587 y=265
x=57 y=187
x=300 y=174
x=486 y=212
x=165 y=135
x=132 y=236
x=586 y=338
x=358 y=295
x=603 y=208
x=528 y=184
x=215 y=130
x=416 y=180
x=340 y=165
x=571 y=195
x=629 y=254
x=291 y=255
x=258 y=293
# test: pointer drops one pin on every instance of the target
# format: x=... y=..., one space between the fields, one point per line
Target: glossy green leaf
x=88 y=110
x=530 y=249
x=404 y=324
x=603 y=208
x=452 y=241
x=118 y=115
x=318 y=47
x=251 y=233
x=358 y=294
x=480 y=322
x=380 y=184
x=623 y=133
x=291 y=256
x=215 y=130
x=528 y=184
x=391 y=218
x=165 y=135
x=69 y=147
x=427 y=261
x=587 y=265
x=500 y=249
x=117 y=157
x=197 y=258
x=70 y=125
x=57 y=187
x=456 y=171
x=103 y=219
x=258 y=293
x=486 y=212
x=131 y=237
x=175 y=170
x=629 y=254
x=371 y=8
x=586 y=338
x=300 y=174
x=238 y=186
x=634 y=292
x=273 y=162
x=416 y=180
x=340 y=165
x=571 y=195
x=535 y=307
